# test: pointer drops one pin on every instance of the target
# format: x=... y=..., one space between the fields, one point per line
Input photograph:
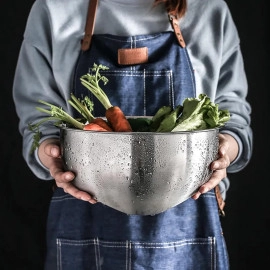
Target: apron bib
x=166 y=79
x=188 y=236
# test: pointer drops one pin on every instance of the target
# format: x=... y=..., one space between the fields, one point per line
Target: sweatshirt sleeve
x=214 y=47
x=232 y=90
x=33 y=81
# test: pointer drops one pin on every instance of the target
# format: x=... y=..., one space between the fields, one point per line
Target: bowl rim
x=65 y=127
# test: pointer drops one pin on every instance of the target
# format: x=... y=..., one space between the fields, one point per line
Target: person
x=173 y=49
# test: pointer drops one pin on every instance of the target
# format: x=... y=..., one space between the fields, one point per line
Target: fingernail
x=196 y=196
x=68 y=177
x=92 y=201
x=215 y=166
x=222 y=151
x=204 y=190
x=54 y=151
x=86 y=198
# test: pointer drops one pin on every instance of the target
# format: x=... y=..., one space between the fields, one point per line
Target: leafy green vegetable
x=200 y=113
x=58 y=116
x=168 y=123
x=36 y=139
x=140 y=124
x=195 y=113
x=159 y=116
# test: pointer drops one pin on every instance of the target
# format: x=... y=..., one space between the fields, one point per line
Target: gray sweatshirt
x=51 y=47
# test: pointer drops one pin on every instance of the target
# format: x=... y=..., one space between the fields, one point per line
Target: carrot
x=94 y=127
x=101 y=122
x=118 y=119
x=114 y=114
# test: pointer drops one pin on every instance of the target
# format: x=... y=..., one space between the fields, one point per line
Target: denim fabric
x=81 y=236
x=167 y=78
x=84 y=236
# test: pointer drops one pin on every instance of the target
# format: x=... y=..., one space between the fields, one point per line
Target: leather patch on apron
x=133 y=56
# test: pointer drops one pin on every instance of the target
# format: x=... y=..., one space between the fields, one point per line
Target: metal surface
x=141 y=173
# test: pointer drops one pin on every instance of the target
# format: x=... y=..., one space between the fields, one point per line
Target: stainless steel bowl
x=142 y=173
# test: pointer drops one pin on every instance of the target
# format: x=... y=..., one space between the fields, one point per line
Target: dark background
x=24 y=199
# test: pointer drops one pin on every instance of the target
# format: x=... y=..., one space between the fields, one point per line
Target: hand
x=50 y=155
x=227 y=152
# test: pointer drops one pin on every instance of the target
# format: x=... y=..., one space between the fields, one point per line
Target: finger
x=216 y=177
x=57 y=169
x=63 y=179
x=221 y=163
x=223 y=145
x=218 y=166
x=52 y=149
x=79 y=194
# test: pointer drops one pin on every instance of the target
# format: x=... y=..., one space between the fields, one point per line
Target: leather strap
x=175 y=25
x=89 y=26
x=90 y=22
x=220 y=201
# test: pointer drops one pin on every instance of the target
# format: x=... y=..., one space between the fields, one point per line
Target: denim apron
x=82 y=236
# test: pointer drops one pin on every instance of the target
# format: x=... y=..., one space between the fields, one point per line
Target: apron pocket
x=95 y=254
x=137 y=92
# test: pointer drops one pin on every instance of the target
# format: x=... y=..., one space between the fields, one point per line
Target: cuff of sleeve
x=240 y=145
x=36 y=153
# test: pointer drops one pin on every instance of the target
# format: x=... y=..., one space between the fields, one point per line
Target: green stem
x=60 y=114
x=81 y=107
x=92 y=83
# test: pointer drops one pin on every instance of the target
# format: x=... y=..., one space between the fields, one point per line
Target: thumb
x=51 y=148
